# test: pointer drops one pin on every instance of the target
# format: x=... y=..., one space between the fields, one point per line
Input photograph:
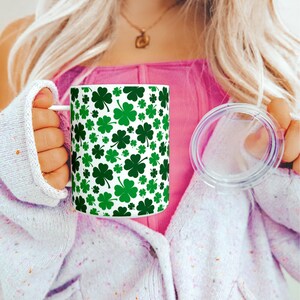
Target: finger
x=280 y=110
x=43 y=118
x=48 y=138
x=52 y=159
x=58 y=178
x=296 y=165
x=44 y=99
x=292 y=142
x=257 y=143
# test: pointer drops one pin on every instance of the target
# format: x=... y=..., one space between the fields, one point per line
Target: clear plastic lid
x=236 y=145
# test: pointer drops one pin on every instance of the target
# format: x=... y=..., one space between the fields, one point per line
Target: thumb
x=43 y=99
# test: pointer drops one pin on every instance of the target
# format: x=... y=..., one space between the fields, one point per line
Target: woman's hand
x=49 y=140
x=280 y=110
x=257 y=143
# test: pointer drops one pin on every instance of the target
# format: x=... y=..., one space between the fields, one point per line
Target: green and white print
x=120 y=149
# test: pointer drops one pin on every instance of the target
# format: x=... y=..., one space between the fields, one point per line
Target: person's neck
x=141 y=10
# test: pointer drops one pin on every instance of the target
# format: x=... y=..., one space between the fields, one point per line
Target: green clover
x=112 y=155
x=125 y=190
x=157 y=197
x=145 y=207
x=79 y=132
x=87 y=159
x=120 y=139
x=105 y=201
x=164 y=169
x=85 y=146
x=105 y=140
x=142 y=103
x=165 y=122
x=96 y=189
x=161 y=186
x=77 y=147
x=77 y=104
x=134 y=92
x=162 y=148
x=125 y=113
x=89 y=124
x=152 y=88
x=131 y=206
x=80 y=204
x=104 y=124
x=102 y=174
x=97 y=151
x=118 y=168
x=77 y=116
x=94 y=212
x=150 y=111
x=86 y=173
x=130 y=129
x=166 y=194
x=121 y=212
x=86 y=89
x=84 y=186
x=153 y=173
x=142 y=192
x=153 y=98
x=93 y=137
x=78 y=176
x=85 y=99
x=135 y=165
x=153 y=146
x=144 y=133
x=125 y=153
x=160 y=208
x=156 y=123
x=95 y=113
x=159 y=136
x=133 y=143
x=153 y=159
x=101 y=98
x=163 y=97
x=142 y=149
x=74 y=93
x=141 y=116
x=143 y=179
x=84 y=112
x=90 y=199
x=75 y=162
x=151 y=186
x=117 y=91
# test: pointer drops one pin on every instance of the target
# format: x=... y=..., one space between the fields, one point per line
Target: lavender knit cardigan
x=216 y=247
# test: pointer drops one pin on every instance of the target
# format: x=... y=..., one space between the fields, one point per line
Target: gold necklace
x=143 y=39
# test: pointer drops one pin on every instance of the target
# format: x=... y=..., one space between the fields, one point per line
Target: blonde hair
x=250 y=52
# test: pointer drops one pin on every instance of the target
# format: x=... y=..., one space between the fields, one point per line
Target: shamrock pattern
x=120 y=149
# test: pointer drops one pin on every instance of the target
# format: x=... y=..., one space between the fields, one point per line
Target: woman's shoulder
x=7 y=39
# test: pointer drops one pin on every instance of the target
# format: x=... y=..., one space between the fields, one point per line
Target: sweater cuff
x=19 y=164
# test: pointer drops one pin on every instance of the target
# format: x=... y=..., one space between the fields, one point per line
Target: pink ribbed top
x=193 y=91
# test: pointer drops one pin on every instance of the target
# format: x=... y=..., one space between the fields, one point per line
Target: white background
x=288 y=9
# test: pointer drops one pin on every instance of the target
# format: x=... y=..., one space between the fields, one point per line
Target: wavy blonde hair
x=251 y=53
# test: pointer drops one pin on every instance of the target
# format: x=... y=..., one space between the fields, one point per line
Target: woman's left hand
x=280 y=110
x=257 y=143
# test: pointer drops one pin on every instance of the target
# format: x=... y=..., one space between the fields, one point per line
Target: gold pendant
x=142 y=40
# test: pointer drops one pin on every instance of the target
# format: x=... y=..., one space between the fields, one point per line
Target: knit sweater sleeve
x=279 y=197
x=285 y=246
x=19 y=165
x=37 y=222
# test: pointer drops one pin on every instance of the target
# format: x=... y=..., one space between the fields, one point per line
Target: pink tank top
x=193 y=92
